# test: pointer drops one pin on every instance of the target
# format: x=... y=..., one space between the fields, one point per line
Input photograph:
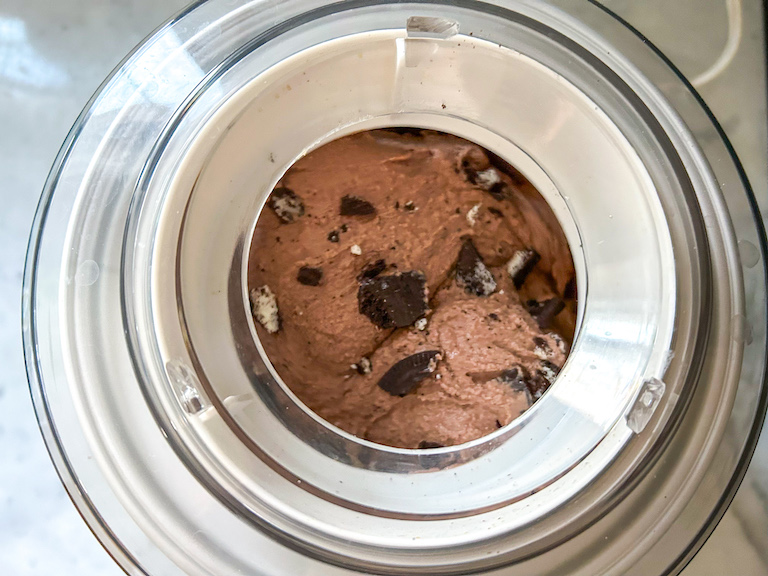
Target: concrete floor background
x=53 y=55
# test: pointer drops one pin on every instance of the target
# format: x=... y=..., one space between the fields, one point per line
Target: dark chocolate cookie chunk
x=488 y=179
x=548 y=371
x=286 y=204
x=472 y=161
x=309 y=276
x=518 y=381
x=426 y=445
x=561 y=345
x=570 y=289
x=406 y=374
x=393 y=301
x=500 y=191
x=333 y=236
x=354 y=206
x=372 y=269
x=513 y=377
x=521 y=264
x=471 y=272
x=506 y=168
x=544 y=312
x=537 y=387
x=404 y=130
x=541 y=348
x=544 y=377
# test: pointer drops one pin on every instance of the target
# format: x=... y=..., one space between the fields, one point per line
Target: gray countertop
x=53 y=56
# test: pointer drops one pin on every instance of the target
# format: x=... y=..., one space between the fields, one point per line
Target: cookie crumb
x=487 y=178
x=364 y=366
x=472 y=214
x=421 y=324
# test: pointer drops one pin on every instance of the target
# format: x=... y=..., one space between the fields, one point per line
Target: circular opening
x=411 y=287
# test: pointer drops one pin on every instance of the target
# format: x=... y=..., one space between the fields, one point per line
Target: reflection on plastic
x=645 y=405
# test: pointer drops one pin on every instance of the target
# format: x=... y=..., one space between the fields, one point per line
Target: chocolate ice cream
x=411 y=288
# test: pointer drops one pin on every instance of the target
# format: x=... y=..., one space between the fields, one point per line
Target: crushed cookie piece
x=521 y=265
x=372 y=269
x=541 y=348
x=570 y=289
x=309 y=276
x=355 y=206
x=264 y=308
x=487 y=179
x=472 y=214
x=517 y=379
x=364 y=366
x=427 y=445
x=393 y=301
x=471 y=272
x=548 y=371
x=544 y=312
x=286 y=204
x=409 y=372
x=561 y=345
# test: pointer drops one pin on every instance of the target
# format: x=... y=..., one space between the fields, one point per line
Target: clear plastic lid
x=176 y=439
